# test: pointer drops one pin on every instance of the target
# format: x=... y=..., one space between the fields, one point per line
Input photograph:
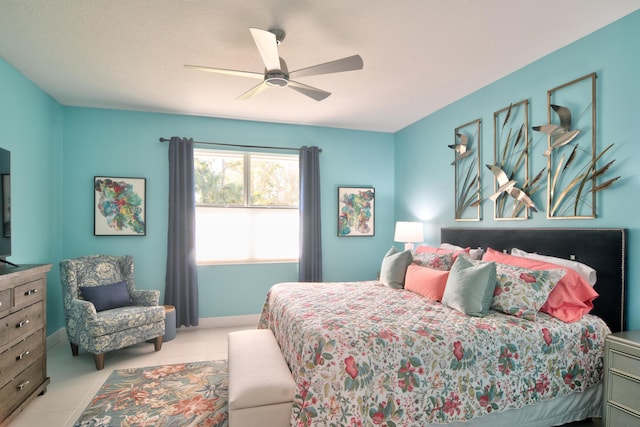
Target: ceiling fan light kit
x=276 y=73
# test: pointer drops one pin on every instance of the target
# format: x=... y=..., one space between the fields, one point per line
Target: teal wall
x=31 y=128
x=56 y=151
x=424 y=177
x=122 y=143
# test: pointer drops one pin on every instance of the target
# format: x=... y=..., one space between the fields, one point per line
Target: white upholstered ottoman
x=261 y=387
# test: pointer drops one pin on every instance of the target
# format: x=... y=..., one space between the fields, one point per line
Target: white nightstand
x=622 y=379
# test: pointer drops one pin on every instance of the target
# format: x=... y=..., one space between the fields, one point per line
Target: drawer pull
x=23 y=385
x=22 y=324
x=31 y=292
x=21 y=356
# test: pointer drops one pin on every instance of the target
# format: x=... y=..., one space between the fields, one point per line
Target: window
x=246 y=206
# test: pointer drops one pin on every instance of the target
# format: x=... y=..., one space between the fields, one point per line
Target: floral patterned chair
x=119 y=315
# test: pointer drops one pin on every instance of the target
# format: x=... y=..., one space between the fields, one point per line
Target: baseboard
x=247 y=320
x=58 y=337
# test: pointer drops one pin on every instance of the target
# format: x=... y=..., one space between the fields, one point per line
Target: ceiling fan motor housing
x=277 y=78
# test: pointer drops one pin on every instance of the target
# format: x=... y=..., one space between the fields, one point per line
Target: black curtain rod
x=240 y=145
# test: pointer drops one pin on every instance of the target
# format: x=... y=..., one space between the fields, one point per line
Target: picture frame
x=356 y=211
x=6 y=205
x=119 y=206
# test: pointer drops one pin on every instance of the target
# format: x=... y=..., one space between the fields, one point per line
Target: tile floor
x=74 y=380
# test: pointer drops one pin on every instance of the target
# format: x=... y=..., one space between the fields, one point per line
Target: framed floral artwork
x=119 y=206
x=356 y=211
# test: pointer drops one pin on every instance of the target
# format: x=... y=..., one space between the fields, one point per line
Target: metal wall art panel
x=512 y=187
x=571 y=149
x=466 y=162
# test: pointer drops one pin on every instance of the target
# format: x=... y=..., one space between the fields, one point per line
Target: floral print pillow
x=522 y=292
x=441 y=261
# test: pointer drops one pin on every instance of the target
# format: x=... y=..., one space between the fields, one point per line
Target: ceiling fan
x=276 y=73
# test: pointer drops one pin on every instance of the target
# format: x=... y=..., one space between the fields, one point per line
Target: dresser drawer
x=14 y=392
x=5 y=300
x=619 y=418
x=29 y=293
x=623 y=391
x=625 y=363
x=21 y=355
x=21 y=324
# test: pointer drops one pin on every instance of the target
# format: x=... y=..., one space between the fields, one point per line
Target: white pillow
x=475 y=254
x=586 y=272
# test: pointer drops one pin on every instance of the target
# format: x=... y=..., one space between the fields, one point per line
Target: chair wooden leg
x=74 y=349
x=157 y=343
x=99 y=359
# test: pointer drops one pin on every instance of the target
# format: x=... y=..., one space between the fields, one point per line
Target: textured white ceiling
x=419 y=55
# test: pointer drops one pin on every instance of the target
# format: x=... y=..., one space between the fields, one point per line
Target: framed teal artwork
x=356 y=211
x=120 y=206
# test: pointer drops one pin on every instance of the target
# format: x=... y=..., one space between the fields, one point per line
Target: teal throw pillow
x=394 y=267
x=470 y=287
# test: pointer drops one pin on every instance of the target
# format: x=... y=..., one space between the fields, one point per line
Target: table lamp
x=408 y=232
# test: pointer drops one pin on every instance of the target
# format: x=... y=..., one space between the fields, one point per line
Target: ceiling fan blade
x=268 y=48
x=311 y=92
x=228 y=72
x=349 y=63
x=253 y=91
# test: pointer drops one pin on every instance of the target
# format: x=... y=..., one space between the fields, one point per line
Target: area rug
x=186 y=394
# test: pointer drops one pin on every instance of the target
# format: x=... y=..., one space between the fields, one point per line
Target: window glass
x=274 y=181
x=219 y=178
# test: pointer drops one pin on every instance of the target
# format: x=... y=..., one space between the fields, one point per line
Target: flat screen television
x=5 y=201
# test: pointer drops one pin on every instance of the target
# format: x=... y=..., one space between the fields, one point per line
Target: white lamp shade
x=409 y=232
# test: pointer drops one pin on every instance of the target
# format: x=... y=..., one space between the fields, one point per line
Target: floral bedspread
x=364 y=354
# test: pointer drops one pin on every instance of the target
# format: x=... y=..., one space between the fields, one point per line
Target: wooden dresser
x=622 y=379
x=23 y=334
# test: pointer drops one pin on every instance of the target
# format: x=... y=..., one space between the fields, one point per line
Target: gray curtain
x=310 y=263
x=181 y=287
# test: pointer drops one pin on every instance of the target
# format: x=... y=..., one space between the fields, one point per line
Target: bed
x=362 y=353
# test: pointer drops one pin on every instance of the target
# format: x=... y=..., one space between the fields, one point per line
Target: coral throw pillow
x=426 y=281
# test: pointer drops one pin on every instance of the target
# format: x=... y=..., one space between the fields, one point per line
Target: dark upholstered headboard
x=602 y=249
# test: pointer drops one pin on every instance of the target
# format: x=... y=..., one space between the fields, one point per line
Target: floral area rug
x=186 y=394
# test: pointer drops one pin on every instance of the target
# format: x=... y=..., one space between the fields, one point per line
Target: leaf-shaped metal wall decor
x=466 y=162
x=573 y=171
x=572 y=165
x=512 y=187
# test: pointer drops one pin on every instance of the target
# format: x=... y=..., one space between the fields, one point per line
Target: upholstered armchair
x=103 y=311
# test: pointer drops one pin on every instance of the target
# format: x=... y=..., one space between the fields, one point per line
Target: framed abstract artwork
x=119 y=206
x=356 y=211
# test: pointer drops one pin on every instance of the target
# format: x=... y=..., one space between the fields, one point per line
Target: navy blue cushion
x=106 y=297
